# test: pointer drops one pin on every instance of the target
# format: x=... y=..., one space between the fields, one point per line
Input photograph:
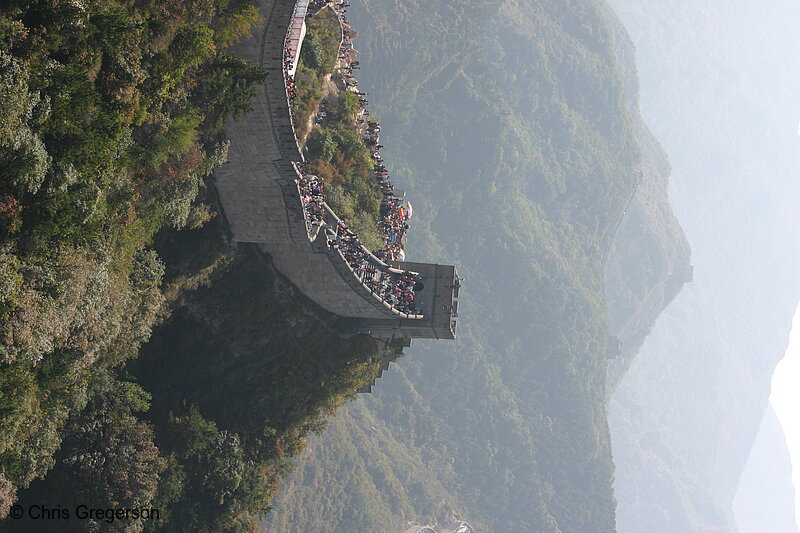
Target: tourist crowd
x=393 y=286
x=311 y=189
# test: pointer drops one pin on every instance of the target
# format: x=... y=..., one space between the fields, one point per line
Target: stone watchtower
x=437 y=302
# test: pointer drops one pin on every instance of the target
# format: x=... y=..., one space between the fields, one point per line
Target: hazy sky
x=785 y=399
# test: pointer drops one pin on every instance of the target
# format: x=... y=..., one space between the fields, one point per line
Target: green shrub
x=346 y=108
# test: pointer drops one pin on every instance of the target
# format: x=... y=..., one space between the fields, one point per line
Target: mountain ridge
x=716 y=91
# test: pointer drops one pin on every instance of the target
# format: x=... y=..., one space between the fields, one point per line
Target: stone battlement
x=260 y=200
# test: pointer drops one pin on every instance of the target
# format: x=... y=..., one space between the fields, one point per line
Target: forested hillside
x=110 y=126
x=511 y=122
x=110 y=119
x=147 y=363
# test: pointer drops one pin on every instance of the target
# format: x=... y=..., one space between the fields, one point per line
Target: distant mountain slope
x=718 y=93
x=650 y=258
x=510 y=125
x=765 y=499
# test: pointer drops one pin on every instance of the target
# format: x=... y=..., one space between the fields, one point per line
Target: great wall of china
x=260 y=200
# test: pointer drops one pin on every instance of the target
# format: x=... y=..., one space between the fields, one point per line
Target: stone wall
x=259 y=197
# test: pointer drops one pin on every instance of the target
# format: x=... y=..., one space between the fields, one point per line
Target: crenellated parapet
x=262 y=202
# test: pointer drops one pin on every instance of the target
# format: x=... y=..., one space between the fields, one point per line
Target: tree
x=235 y=25
x=225 y=88
x=108 y=457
